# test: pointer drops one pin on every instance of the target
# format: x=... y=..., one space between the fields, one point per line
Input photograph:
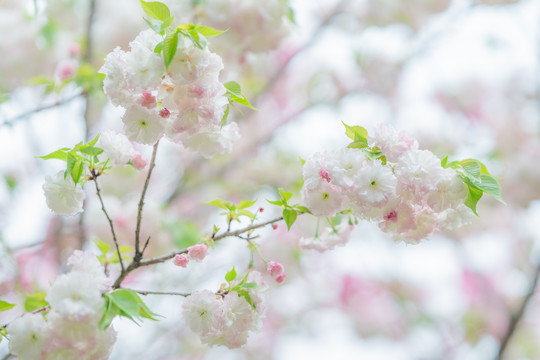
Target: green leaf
x=246 y=213
x=276 y=202
x=235 y=94
x=58 y=154
x=473 y=196
x=302 y=161
x=285 y=195
x=92 y=151
x=489 y=185
x=207 y=31
x=245 y=204
x=289 y=215
x=193 y=35
x=76 y=171
x=219 y=203
x=444 y=162
x=245 y=294
x=302 y=209
x=4 y=306
x=91 y=143
x=234 y=88
x=131 y=304
x=356 y=133
x=358 y=145
x=102 y=246
x=225 y=116
x=111 y=310
x=231 y=275
x=170 y=44
x=159 y=47
x=472 y=169
x=250 y=285
x=156 y=10
x=35 y=301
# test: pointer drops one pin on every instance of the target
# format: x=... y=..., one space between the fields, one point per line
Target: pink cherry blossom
x=197 y=252
x=181 y=260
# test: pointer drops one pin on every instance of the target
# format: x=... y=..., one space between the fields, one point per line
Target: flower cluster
x=225 y=318
x=63 y=196
x=120 y=150
x=407 y=192
x=71 y=329
x=187 y=102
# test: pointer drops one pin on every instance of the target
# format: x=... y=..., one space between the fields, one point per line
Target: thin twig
x=164 y=258
x=57 y=103
x=98 y=192
x=144 y=292
x=516 y=318
x=138 y=253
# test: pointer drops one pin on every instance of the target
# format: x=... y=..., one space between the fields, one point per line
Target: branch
x=516 y=318
x=164 y=258
x=98 y=191
x=41 y=108
x=143 y=292
x=138 y=253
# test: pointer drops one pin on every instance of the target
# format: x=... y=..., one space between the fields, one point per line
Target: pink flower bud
x=147 y=100
x=139 y=162
x=74 y=49
x=274 y=269
x=281 y=278
x=261 y=209
x=198 y=252
x=164 y=113
x=181 y=260
x=274 y=226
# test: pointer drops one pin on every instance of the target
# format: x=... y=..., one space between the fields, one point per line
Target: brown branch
x=138 y=252
x=98 y=192
x=164 y=258
x=144 y=292
x=516 y=318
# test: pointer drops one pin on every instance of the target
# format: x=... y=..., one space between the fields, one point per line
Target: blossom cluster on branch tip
x=186 y=102
x=403 y=189
x=71 y=328
x=226 y=319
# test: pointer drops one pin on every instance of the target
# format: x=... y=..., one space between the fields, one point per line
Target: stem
x=98 y=191
x=41 y=108
x=144 y=292
x=516 y=318
x=138 y=253
x=164 y=258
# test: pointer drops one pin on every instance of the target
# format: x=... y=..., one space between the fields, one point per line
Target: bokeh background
x=462 y=76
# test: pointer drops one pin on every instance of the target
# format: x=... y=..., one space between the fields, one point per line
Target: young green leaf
x=473 y=196
x=34 y=302
x=285 y=195
x=207 y=31
x=4 y=306
x=169 y=48
x=235 y=94
x=289 y=215
x=111 y=310
x=231 y=275
x=58 y=154
x=276 y=202
x=246 y=213
x=225 y=116
x=102 y=246
x=356 y=133
x=156 y=10
x=245 y=204
x=219 y=203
